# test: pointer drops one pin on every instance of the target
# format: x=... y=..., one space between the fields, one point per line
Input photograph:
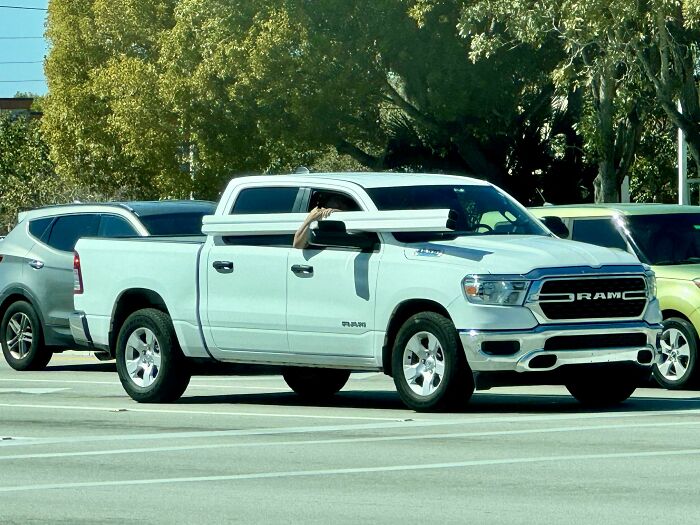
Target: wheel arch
x=14 y=294
x=399 y=316
x=129 y=302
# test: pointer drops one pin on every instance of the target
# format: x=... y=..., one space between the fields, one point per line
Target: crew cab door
x=244 y=306
x=331 y=299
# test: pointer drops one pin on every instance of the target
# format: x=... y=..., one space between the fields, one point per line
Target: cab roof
x=385 y=179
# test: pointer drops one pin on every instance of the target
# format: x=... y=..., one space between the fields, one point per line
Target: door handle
x=37 y=265
x=223 y=266
x=303 y=270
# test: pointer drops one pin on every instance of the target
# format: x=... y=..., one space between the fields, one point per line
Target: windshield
x=667 y=239
x=481 y=210
x=174 y=223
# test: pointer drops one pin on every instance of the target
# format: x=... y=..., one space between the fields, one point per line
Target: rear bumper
x=531 y=355
x=79 y=330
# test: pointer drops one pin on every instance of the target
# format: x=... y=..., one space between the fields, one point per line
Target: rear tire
x=603 y=389
x=23 y=338
x=315 y=383
x=150 y=364
x=428 y=364
x=679 y=355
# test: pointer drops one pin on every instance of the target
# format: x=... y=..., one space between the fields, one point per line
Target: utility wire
x=22 y=62
x=19 y=81
x=20 y=37
x=23 y=8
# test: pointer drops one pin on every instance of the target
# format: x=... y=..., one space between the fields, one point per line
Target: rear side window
x=266 y=200
x=115 y=226
x=68 y=229
x=38 y=228
x=601 y=232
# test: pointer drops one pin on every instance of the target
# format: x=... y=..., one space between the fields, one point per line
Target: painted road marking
x=356 y=470
x=117 y=383
x=387 y=424
x=30 y=390
x=378 y=439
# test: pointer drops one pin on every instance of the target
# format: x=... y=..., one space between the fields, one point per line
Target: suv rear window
x=266 y=200
x=38 y=227
x=68 y=229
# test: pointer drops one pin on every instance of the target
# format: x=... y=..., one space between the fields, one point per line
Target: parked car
x=36 y=267
x=444 y=283
x=667 y=237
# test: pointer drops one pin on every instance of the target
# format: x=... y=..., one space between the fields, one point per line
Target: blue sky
x=24 y=23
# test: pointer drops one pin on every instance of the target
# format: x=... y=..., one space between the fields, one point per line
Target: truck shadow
x=480 y=403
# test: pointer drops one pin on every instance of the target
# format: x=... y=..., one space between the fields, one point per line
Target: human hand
x=318 y=214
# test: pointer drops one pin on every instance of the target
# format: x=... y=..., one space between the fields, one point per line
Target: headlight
x=489 y=290
x=651 y=284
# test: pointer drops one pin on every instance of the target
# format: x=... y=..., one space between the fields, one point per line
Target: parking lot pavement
x=75 y=449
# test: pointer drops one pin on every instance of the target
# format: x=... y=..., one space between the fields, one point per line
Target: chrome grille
x=593 y=298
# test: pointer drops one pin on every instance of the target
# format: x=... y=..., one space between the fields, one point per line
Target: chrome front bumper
x=532 y=343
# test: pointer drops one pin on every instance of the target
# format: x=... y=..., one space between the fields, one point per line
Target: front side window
x=601 y=232
x=265 y=200
x=479 y=210
x=174 y=224
x=115 y=226
x=68 y=229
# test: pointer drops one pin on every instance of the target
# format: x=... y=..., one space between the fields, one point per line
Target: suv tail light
x=77 y=275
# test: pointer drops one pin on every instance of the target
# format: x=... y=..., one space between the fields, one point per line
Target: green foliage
x=172 y=98
x=27 y=178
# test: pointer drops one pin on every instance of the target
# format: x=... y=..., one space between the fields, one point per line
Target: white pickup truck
x=445 y=283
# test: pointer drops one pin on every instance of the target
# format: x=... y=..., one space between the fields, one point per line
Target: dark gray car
x=36 y=267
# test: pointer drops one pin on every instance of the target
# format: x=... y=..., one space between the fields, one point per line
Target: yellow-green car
x=667 y=237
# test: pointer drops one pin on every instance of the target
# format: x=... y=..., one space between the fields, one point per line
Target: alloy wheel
x=675 y=354
x=424 y=363
x=142 y=357
x=19 y=335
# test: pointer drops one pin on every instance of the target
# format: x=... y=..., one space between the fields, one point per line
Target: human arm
x=301 y=237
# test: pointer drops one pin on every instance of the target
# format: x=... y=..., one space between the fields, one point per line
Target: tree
x=595 y=57
x=27 y=177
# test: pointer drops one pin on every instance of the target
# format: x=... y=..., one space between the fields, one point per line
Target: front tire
x=150 y=364
x=605 y=389
x=22 y=338
x=428 y=364
x=315 y=383
x=679 y=355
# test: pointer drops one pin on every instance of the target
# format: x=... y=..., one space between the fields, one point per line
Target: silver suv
x=36 y=267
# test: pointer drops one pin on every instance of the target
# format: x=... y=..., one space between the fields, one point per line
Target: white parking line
x=198 y=412
x=388 y=423
x=378 y=439
x=356 y=470
x=118 y=384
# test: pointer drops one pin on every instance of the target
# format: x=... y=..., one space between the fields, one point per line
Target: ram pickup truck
x=445 y=283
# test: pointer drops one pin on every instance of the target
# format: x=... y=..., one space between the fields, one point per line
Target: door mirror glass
x=556 y=226
x=333 y=234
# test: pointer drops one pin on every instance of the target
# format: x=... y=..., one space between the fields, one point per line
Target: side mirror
x=332 y=234
x=556 y=226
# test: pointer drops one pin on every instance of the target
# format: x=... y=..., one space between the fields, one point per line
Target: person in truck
x=326 y=203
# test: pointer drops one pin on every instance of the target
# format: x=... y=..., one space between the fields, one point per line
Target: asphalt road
x=75 y=449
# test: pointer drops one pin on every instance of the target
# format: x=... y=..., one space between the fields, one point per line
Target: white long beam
x=288 y=223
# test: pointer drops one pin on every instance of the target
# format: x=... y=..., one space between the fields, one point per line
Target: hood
x=681 y=272
x=517 y=254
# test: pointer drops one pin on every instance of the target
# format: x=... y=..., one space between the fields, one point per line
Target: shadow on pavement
x=481 y=402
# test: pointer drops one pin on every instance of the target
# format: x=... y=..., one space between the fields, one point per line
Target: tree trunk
x=605 y=186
